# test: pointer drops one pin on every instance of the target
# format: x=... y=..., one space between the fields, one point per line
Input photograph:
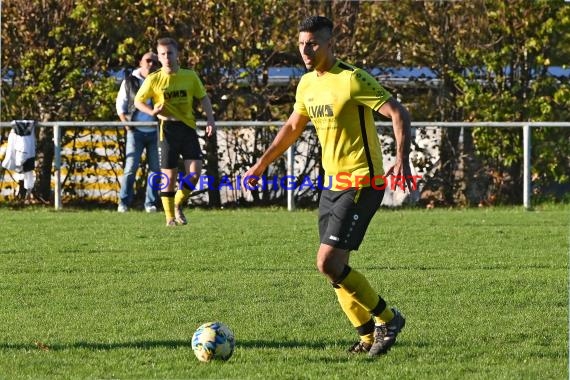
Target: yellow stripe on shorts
x=357 y=196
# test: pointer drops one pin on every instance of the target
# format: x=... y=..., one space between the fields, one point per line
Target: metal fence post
x=57 y=165
x=526 y=166
x=290 y=173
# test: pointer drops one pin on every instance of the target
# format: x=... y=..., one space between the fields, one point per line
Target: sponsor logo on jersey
x=321 y=110
x=175 y=94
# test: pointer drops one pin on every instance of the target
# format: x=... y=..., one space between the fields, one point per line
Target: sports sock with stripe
x=167 y=198
x=358 y=287
x=358 y=316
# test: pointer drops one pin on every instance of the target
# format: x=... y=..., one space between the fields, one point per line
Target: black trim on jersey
x=365 y=140
x=344 y=66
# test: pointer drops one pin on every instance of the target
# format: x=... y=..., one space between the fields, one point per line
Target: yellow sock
x=358 y=316
x=358 y=287
x=368 y=338
x=384 y=317
x=182 y=196
x=167 y=199
x=360 y=290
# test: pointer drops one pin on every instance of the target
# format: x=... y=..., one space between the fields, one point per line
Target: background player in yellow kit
x=173 y=90
x=339 y=99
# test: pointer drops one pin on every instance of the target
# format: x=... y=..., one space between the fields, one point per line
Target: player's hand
x=252 y=176
x=157 y=109
x=401 y=172
x=210 y=129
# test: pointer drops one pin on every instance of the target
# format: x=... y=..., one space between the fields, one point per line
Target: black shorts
x=176 y=140
x=345 y=215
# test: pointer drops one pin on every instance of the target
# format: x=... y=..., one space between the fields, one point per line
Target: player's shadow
x=48 y=346
x=172 y=344
x=149 y=344
x=259 y=344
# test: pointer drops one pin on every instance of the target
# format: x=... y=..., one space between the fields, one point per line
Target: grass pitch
x=98 y=294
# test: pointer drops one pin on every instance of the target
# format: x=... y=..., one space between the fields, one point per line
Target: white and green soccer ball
x=213 y=341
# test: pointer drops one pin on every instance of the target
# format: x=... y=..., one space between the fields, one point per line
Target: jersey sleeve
x=145 y=91
x=299 y=105
x=199 y=89
x=366 y=90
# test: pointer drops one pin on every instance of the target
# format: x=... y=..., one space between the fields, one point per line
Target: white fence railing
x=526 y=128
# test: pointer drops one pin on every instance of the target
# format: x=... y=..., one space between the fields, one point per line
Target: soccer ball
x=213 y=340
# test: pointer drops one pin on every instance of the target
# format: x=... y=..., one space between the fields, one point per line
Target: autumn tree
x=519 y=43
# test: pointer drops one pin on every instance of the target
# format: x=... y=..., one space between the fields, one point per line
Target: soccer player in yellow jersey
x=173 y=90
x=339 y=99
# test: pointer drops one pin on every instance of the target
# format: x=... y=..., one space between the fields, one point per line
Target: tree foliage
x=521 y=41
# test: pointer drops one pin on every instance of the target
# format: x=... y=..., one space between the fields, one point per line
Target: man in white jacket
x=138 y=138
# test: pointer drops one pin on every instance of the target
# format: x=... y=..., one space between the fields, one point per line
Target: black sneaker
x=360 y=347
x=179 y=215
x=386 y=333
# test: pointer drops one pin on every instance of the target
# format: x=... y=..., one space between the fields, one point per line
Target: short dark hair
x=315 y=23
x=168 y=41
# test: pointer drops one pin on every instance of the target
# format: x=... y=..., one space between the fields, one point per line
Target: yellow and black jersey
x=340 y=105
x=176 y=91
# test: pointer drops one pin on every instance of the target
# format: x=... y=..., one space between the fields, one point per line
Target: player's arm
x=207 y=108
x=286 y=136
x=144 y=94
x=401 y=124
x=143 y=107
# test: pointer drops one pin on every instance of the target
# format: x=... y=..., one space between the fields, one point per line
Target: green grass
x=105 y=295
